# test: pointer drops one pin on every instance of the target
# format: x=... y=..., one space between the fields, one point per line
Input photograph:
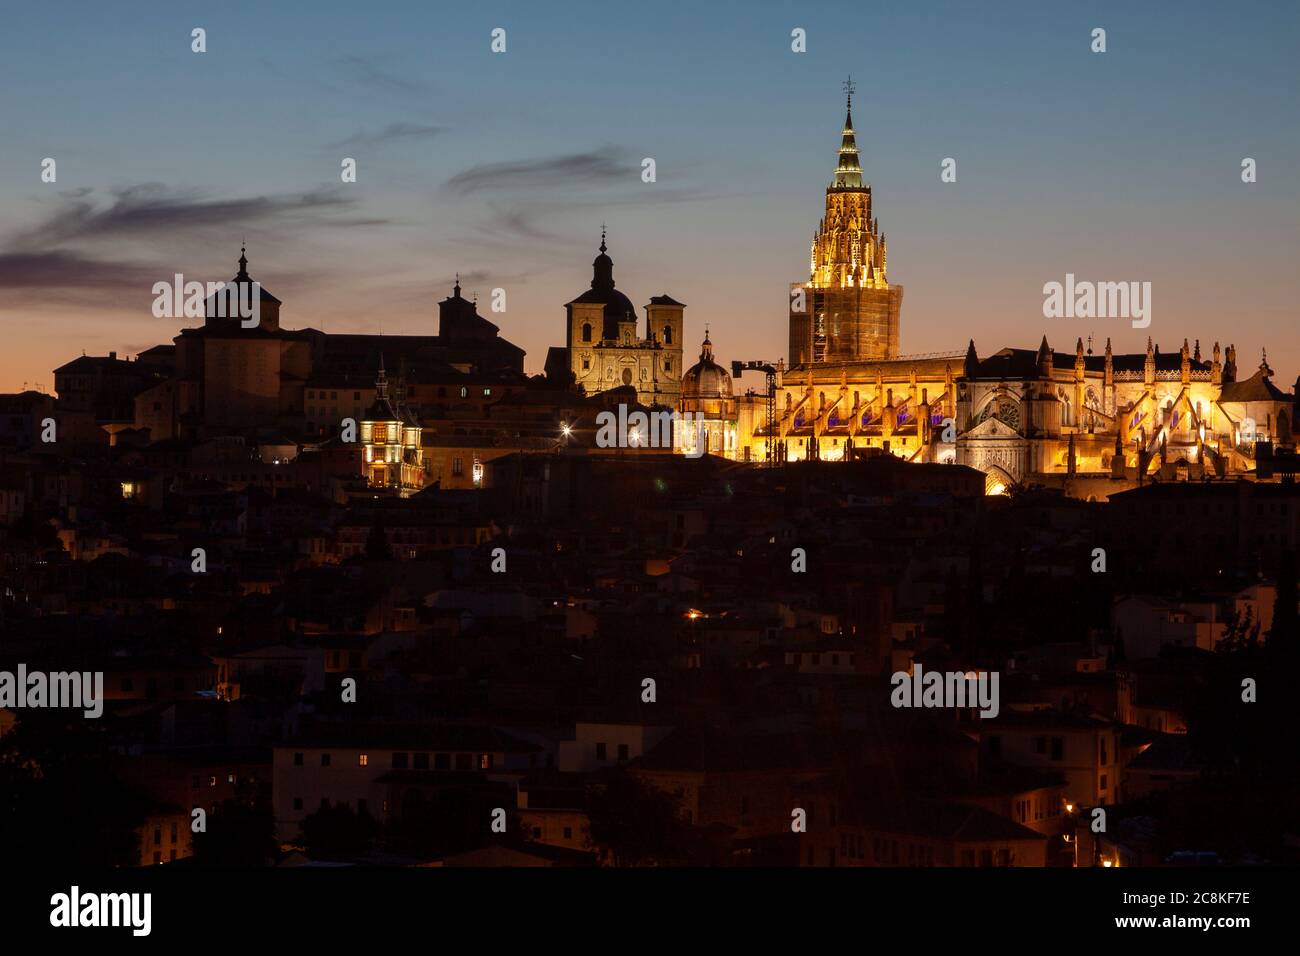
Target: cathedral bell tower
x=847 y=310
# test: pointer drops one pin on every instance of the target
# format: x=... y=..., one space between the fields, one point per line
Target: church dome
x=618 y=307
x=706 y=378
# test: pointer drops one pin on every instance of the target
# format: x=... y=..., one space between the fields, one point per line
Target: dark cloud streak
x=149 y=210
x=602 y=166
x=393 y=132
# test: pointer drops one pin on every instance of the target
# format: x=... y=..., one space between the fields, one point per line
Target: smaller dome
x=706 y=378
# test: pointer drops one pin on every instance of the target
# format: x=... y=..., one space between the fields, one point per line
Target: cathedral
x=1089 y=424
x=604 y=349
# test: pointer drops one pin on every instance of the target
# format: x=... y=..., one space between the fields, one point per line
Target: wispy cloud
x=367 y=71
x=601 y=166
x=393 y=132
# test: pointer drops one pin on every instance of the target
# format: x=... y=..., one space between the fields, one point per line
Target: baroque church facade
x=604 y=348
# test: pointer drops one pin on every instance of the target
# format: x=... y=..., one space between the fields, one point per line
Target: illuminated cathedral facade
x=1087 y=422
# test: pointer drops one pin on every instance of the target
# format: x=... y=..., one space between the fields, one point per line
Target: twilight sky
x=1117 y=166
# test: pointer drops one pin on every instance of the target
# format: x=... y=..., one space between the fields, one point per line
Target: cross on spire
x=602 y=237
x=849 y=89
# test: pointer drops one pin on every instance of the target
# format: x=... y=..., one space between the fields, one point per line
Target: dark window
x=464 y=761
x=297 y=760
x=586 y=332
x=421 y=761
x=324 y=760
x=600 y=751
x=399 y=760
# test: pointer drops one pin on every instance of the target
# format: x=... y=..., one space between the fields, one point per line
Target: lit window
x=363 y=760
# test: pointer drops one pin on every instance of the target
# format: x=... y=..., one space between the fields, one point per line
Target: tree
x=1284 y=635
x=377 y=547
x=1117 y=653
x=1240 y=631
x=60 y=798
x=636 y=824
x=240 y=835
x=336 y=832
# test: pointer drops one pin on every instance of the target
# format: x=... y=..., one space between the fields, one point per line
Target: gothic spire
x=848 y=173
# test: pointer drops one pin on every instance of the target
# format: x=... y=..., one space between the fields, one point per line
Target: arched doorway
x=997 y=481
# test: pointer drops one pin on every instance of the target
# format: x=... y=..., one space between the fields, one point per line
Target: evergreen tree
x=377 y=547
x=1284 y=635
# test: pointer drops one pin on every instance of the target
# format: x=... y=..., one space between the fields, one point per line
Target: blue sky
x=1116 y=166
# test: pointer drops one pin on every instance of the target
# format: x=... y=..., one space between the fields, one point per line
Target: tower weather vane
x=849 y=88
